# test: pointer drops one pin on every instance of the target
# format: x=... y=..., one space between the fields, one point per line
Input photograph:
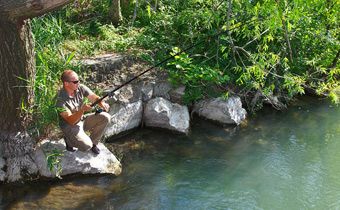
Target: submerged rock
x=227 y=111
x=161 y=113
x=76 y=162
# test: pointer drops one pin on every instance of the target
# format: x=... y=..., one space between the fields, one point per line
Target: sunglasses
x=74 y=82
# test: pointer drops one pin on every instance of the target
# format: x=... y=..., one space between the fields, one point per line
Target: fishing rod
x=164 y=61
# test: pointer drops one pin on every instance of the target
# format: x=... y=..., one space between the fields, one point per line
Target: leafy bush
x=250 y=48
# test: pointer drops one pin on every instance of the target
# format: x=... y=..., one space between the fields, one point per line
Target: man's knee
x=106 y=117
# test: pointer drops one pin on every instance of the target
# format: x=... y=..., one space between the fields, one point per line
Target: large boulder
x=76 y=162
x=225 y=111
x=161 y=113
x=124 y=117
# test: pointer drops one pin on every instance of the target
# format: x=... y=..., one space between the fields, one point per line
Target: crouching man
x=71 y=108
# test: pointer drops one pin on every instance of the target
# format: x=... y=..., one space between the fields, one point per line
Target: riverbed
x=277 y=160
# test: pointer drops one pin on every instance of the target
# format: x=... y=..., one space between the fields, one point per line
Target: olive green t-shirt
x=71 y=103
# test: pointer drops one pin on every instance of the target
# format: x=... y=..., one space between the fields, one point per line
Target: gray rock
x=103 y=63
x=124 y=117
x=76 y=162
x=161 y=113
x=128 y=94
x=16 y=150
x=176 y=95
x=20 y=168
x=147 y=92
x=2 y=173
x=228 y=111
x=162 y=89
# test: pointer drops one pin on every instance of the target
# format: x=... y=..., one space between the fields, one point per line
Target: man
x=71 y=108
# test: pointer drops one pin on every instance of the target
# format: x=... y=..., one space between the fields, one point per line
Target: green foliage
x=197 y=78
x=335 y=95
x=272 y=47
x=50 y=62
x=53 y=159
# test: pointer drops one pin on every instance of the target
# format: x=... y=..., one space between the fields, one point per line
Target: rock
x=76 y=162
x=147 y=91
x=132 y=93
x=228 y=111
x=2 y=173
x=127 y=94
x=125 y=117
x=176 y=95
x=21 y=168
x=103 y=63
x=162 y=89
x=161 y=113
x=16 y=150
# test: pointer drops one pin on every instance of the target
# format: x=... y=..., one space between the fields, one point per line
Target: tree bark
x=116 y=12
x=17 y=67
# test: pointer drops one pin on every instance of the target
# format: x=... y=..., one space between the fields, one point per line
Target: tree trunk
x=116 y=12
x=17 y=66
x=17 y=70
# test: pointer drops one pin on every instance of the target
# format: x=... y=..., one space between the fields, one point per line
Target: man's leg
x=76 y=137
x=96 y=124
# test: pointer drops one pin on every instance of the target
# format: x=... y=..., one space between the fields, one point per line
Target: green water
x=279 y=160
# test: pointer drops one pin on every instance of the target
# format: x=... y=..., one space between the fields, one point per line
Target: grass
x=59 y=44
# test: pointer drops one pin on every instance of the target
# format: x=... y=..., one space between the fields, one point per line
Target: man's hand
x=86 y=108
x=73 y=118
x=93 y=98
x=105 y=106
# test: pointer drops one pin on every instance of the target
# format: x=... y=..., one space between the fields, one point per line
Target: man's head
x=70 y=79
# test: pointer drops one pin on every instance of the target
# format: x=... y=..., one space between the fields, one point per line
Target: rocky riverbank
x=149 y=101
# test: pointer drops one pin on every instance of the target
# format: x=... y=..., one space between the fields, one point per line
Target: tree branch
x=286 y=34
x=256 y=38
x=24 y=9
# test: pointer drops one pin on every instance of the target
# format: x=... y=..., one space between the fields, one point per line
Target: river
x=278 y=160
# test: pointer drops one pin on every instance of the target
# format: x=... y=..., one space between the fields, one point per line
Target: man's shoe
x=95 y=149
x=68 y=148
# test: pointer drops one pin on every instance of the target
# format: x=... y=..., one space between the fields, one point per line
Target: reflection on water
x=280 y=160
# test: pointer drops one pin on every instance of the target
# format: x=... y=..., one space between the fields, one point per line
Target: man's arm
x=73 y=118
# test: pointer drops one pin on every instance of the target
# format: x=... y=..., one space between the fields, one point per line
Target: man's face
x=73 y=82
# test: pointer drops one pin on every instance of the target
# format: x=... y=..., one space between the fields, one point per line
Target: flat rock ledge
x=76 y=162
